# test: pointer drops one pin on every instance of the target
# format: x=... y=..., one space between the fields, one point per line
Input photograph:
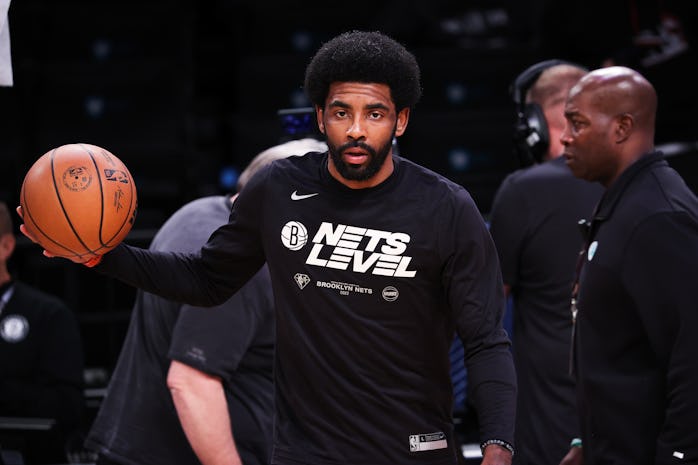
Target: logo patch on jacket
x=14 y=328
x=430 y=441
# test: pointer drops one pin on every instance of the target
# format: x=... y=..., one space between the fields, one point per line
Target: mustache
x=355 y=144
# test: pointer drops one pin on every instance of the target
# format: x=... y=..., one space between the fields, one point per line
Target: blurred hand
x=574 y=457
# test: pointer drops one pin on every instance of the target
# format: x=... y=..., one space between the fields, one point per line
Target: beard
x=360 y=173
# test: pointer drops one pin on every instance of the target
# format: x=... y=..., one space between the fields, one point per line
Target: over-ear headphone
x=531 y=136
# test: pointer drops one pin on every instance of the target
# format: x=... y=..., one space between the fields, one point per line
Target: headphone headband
x=531 y=136
x=530 y=75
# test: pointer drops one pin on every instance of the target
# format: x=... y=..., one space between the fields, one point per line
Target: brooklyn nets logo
x=294 y=235
x=14 y=328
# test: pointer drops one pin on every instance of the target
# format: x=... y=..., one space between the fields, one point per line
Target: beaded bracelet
x=576 y=442
x=498 y=442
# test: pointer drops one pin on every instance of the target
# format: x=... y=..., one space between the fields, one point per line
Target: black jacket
x=638 y=314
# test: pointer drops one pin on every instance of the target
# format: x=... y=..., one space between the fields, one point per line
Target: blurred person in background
x=534 y=226
x=41 y=362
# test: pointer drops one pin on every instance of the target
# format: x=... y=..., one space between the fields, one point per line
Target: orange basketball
x=78 y=200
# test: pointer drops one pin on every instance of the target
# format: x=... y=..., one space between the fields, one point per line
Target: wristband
x=94 y=261
x=498 y=442
x=576 y=442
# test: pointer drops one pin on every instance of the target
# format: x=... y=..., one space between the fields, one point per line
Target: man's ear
x=7 y=246
x=403 y=118
x=318 y=116
x=625 y=123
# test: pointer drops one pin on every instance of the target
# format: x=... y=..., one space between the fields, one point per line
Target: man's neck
x=4 y=277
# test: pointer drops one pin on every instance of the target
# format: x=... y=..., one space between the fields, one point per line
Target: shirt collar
x=6 y=286
x=610 y=198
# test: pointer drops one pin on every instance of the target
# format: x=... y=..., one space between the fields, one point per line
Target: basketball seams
x=27 y=214
x=116 y=236
x=63 y=209
x=132 y=196
x=67 y=216
x=101 y=194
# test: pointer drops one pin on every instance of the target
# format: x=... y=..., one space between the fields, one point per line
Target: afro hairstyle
x=368 y=57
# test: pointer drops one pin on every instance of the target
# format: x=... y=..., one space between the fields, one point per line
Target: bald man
x=635 y=307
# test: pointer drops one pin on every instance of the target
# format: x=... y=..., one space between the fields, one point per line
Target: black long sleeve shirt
x=369 y=287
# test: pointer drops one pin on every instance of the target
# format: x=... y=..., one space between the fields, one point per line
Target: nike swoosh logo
x=296 y=196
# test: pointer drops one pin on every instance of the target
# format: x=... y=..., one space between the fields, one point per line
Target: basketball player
x=375 y=262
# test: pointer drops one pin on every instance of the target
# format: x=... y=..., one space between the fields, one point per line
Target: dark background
x=184 y=91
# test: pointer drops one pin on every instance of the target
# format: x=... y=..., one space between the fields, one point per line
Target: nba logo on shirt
x=424 y=442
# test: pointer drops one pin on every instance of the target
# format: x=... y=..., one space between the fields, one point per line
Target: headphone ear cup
x=522 y=149
x=538 y=139
x=531 y=136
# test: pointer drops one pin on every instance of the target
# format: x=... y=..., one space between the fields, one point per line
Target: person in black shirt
x=634 y=307
x=375 y=261
x=534 y=226
x=41 y=363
